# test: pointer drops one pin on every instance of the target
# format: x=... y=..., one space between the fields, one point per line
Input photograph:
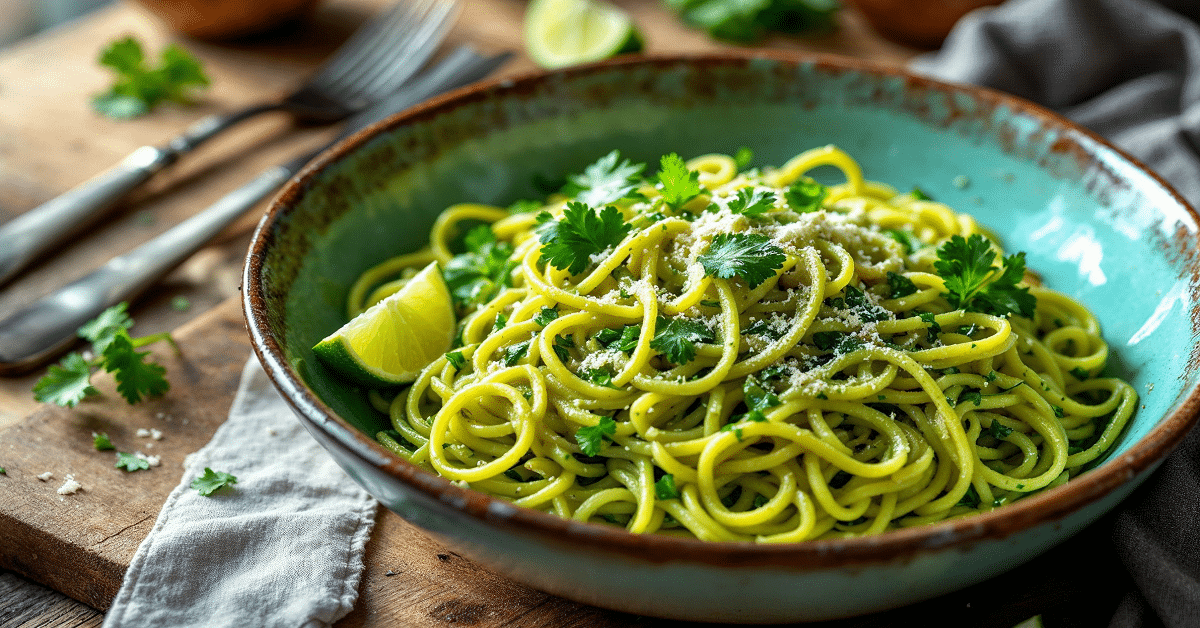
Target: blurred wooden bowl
x=223 y=19
x=920 y=23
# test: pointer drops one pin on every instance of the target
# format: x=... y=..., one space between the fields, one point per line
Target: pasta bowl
x=1094 y=223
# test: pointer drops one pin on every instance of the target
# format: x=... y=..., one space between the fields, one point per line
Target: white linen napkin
x=284 y=547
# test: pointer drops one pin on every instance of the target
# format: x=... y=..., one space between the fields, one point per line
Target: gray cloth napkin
x=1129 y=70
x=282 y=548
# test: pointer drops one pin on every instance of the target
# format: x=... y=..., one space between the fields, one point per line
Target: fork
x=376 y=60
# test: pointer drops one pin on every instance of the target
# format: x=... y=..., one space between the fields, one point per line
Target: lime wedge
x=559 y=33
x=389 y=343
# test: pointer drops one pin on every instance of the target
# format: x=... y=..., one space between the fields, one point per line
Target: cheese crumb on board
x=46 y=477
x=70 y=486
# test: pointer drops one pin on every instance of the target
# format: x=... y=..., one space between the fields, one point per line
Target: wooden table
x=50 y=140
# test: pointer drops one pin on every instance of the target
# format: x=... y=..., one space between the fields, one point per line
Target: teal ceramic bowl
x=1097 y=225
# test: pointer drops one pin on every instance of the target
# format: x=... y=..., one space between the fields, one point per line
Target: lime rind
x=560 y=33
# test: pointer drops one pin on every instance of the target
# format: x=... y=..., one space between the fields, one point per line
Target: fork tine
x=390 y=71
x=413 y=41
x=366 y=39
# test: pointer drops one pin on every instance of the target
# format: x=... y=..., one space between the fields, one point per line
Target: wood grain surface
x=80 y=544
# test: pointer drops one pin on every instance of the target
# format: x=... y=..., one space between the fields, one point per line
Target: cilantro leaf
x=514 y=353
x=136 y=378
x=131 y=462
x=839 y=342
x=591 y=438
x=456 y=359
x=477 y=275
x=676 y=338
x=545 y=316
x=665 y=488
x=101 y=330
x=212 y=481
x=757 y=398
x=752 y=202
x=679 y=185
x=1079 y=373
x=933 y=327
x=138 y=88
x=763 y=327
x=901 y=286
x=805 y=195
x=920 y=194
x=999 y=430
x=751 y=256
x=101 y=442
x=607 y=180
x=965 y=266
x=625 y=340
x=600 y=376
x=66 y=383
x=569 y=243
x=907 y=239
x=562 y=346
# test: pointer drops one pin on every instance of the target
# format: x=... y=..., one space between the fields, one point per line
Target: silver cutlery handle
x=33 y=233
x=50 y=323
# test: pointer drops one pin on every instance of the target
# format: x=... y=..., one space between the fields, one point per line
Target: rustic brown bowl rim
x=1043 y=508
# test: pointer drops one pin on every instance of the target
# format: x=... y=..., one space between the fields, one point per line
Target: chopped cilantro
x=760 y=500
x=1079 y=374
x=1058 y=411
x=591 y=438
x=600 y=376
x=102 y=442
x=934 y=328
x=762 y=327
x=480 y=273
x=679 y=185
x=456 y=360
x=676 y=338
x=131 y=462
x=562 y=345
x=775 y=371
x=624 y=340
x=546 y=315
x=901 y=286
x=998 y=430
x=805 y=195
x=569 y=243
x=970 y=499
x=753 y=257
x=991 y=376
x=710 y=303
x=212 y=481
x=973 y=395
x=514 y=353
x=752 y=202
x=907 y=239
x=607 y=180
x=972 y=284
x=665 y=488
x=138 y=88
x=500 y=323
x=920 y=194
x=732 y=427
x=839 y=342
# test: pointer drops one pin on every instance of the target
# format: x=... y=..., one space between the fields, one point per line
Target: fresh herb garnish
x=562 y=346
x=972 y=283
x=839 y=342
x=600 y=376
x=131 y=462
x=805 y=195
x=69 y=382
x=545 y=316
x=500 y=323
x=212 y=481
x=480 y=273
x=751 y=256
x=920 y=194
x=514 y=353
x=752 y=202
x=591 y=438
x=676 y=338
x=102 y=442
x=456 y=359
x=998 y=430
x=901 y=286
x=569 y=243
x=679 y=185
x=1079 y=373
x=970 y=499
x=665 y=488
x=624 y=340
x=607 y=180
x=138 y=88
x=907 y=239
x=763 y=327
x=969 y=394
x=934 y=328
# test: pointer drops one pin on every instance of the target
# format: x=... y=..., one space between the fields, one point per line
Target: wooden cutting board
x=81 y=544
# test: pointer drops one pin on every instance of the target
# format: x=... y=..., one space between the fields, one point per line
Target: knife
x=48 y=326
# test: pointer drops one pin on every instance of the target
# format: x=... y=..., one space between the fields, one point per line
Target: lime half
x=559 y=33
x=389 y=343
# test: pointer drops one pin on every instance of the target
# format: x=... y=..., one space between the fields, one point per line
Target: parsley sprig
x=113 y=350
x=751 y=256
x=676 y=338
x=138 y=88
x=591 y=438
x=483 y=270
x=569 y=243
x=974 y=284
